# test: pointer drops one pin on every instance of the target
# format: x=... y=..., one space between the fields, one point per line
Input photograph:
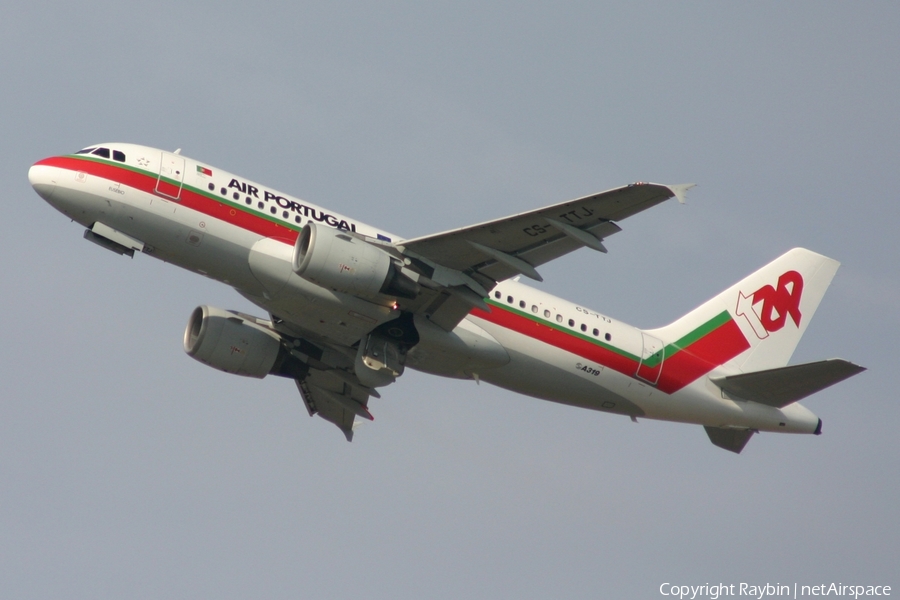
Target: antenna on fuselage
x=178 y=151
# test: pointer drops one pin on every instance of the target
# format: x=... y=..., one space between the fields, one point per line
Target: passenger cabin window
x=559 y=318
x=497 y=295
x=596 y=332
x=534 y=308
x=118 y=155
x=509 y=299
x=583 y=327
x=608 y=337
x=571 y=322
x=521 y=304
x=546 y=314
x=104 y=152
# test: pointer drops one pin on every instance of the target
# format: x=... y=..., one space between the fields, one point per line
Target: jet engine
x=236 y=344
x=334 y=259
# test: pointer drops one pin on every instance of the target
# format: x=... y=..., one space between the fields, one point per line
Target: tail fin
x=771 y=308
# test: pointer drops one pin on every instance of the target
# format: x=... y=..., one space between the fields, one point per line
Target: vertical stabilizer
x=772 y=308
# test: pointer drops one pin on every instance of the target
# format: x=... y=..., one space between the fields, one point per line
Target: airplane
x=350 y=306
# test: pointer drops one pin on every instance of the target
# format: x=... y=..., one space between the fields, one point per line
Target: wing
x=456 y=269
x=466 y=263
x=335 y=398
x=326 y=380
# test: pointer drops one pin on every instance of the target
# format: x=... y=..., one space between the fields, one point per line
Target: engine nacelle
x=225 y=341
x=336 y=260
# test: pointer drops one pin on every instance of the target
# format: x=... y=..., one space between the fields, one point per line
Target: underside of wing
x=328 y=384
x=335 y=399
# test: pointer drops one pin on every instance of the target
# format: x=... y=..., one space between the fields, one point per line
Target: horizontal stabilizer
x=786 y=385
x=732 y=440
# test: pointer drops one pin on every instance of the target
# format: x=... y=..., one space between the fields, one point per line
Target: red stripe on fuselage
x=189 y=199
x=685 y=366
x=560 y=339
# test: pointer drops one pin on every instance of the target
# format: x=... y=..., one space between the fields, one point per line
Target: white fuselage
x=241 y=233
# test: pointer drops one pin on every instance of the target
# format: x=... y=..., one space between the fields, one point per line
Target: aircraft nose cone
x=42 y=180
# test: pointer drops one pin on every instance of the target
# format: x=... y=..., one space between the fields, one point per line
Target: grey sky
x=129 y=470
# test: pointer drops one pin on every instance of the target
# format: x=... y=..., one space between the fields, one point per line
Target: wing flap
x=334 y=399
x=786 y=385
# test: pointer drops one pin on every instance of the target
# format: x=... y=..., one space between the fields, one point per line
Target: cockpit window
x=118 y=155
x=86 y=150
x=104 y=152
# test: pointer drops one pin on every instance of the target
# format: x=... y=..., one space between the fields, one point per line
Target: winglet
x=680 y=190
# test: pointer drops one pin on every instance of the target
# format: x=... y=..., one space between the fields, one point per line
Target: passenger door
x=171 y=176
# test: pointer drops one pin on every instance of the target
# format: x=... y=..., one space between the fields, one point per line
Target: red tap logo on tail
x=767 y=309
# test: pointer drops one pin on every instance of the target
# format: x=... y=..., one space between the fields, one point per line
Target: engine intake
x=336 y=260
x=230 y=343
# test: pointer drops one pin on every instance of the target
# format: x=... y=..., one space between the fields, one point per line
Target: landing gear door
x=171 y=176
x=652 y=357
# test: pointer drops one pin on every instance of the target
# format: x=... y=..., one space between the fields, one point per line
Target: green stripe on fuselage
x=562 y=328
x=184 y=186
x=670 y=350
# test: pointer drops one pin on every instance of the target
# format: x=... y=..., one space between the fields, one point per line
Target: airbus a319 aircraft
x=350 y=306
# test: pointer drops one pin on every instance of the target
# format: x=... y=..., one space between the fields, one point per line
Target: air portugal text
x=292 y=205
